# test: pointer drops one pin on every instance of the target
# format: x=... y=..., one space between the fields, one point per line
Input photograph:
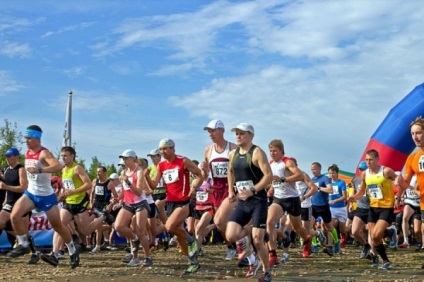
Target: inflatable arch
x=392 y=139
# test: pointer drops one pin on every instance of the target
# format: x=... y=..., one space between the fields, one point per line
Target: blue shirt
x=338 y=187
x=320 y=198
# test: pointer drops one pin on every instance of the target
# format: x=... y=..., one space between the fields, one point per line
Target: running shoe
x=75 y=259
x=95 y=250
x=112 y=248
x=61 y=254
x=135 y=245
x=329 y=251
x=147 y=262
x=337 y=247
x=321 y=237
x=273 y=259
x=20 y=250
x=375 y=261
x=127 y=258
x=242 y=247
x=404 y=245
x=243 y=263
x=165 y=243
x=365 y=251
x=50 y=259
x=231 y=252
x=265 y=277
x=385 y=266
x=200 y=253
x=192 y=268
x=35 y=257
x=394 y=238
x=284 y=258
x=134 y=262
x=252 y=269
x=315 y=249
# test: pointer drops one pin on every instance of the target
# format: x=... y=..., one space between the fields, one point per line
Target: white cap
x=214 y=124
x=114 y=176
x=154 y=152
x=164 y=143
x=128 y=153
x=244 y=127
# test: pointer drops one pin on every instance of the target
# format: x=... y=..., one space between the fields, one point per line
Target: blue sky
x=320 y=75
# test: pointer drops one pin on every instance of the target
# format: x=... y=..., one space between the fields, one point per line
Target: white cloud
x=15 y=49
x=74 y=71
x=68 y=28
x=8 y=84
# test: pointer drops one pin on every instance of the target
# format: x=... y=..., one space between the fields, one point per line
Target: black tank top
x=101 y=193
x=244 y=169
x=11 y=178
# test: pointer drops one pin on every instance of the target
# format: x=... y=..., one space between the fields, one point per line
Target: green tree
x=10 y=137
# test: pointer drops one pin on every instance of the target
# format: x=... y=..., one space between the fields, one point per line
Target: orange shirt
x=415 y=165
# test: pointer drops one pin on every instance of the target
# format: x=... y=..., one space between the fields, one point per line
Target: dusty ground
x=169 y=266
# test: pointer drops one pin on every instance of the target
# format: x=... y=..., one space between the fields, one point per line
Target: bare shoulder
x=233 y=146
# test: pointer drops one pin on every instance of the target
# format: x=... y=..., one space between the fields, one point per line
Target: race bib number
x=99 y=190
x=202 y=196
x=335 y=190
x=220 y=169
x=125 y=185
x=278 y=189
x=68 y=184
x=421 y=164
x=170 y=175
x=32 y=176
x=375 y=192
x=410 y=194
x=244 y=185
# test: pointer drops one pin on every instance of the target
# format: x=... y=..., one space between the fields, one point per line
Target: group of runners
x=254 y=203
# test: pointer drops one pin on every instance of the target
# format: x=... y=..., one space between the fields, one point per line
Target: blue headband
x=32 y=133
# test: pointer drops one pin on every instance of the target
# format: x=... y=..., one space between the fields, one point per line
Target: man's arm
x=192 y=167
x=361 y=191
x=51 y=164
x=259 y=159
x=312 y=187
x=297 y=174
x=230 y=177
x=153 y=183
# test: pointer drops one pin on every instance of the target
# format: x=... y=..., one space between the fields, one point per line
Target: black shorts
x=362 y=214
x=350 y=215
x=289 y=205
x=172 y=206
x=8 y=208
x=377 y=214
x=135 y=208
x=159 y=197
x=197 y=214
x=245 y=211
x=322 y=211
x=417 y=212
x=100 y=206
x=76 y=209
x=153 y=211
x=306 y=214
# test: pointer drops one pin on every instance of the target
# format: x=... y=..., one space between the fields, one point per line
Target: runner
x=40 y=163
x=251 y=173
x=174 y=170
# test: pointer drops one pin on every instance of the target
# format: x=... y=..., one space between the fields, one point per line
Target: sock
x=381 y=250
x=333 y=234
x=71 y=247
x=32 y=244
x=314 y=241
x=406 y=240
x=251 y=259
x=23 y=240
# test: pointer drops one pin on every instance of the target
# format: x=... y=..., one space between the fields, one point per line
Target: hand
x=351 y=199
x=192 y=193
x=32 y=170
x=231 y=198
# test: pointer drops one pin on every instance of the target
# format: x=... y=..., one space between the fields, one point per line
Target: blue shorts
x=43 y=203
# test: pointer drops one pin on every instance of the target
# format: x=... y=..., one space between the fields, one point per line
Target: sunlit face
x=100 y=173
x=417 y=135
x=243 y=137
x=275 y=153
x=67 y=157
x=32 y=142
x=167 y=152
x=12 y=160
x=316 y=170
x=333 y=174
x=216 y=134
x=371 y=160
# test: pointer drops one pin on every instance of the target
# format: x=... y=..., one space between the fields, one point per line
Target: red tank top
x=176 y=179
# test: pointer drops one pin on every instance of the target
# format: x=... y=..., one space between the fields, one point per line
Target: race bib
x=375 y=191
x=421 y=164
x=32 y=176
x=335 y=190
x=68 y=184
x=98 y=190
x=244 y=185
x=410 y=194
x=170 y=175
x=202 y=196
x=125 y=185
x=220 y=169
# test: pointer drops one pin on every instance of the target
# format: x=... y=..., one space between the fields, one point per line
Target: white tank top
x=282 y=190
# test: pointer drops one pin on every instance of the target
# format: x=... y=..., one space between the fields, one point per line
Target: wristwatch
x=283 y=179
x=252 y=189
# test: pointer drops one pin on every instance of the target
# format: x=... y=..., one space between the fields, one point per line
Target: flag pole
x=67 y=135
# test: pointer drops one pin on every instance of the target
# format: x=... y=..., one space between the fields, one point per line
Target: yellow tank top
x=70 y=182
x=380 y=190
